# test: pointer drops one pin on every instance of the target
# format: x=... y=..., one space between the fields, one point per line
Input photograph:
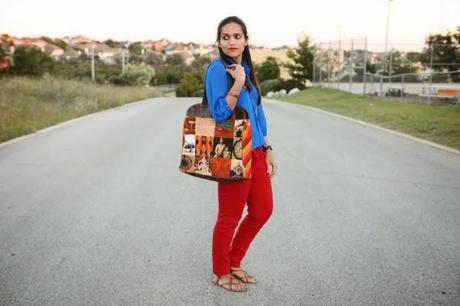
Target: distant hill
x=260 y=55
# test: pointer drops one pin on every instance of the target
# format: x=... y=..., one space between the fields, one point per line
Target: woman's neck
x=237 y=59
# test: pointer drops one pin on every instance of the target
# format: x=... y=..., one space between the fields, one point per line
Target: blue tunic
x=216 y=91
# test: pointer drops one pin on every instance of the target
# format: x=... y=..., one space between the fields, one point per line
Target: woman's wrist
x=230 y=93
x=239 y=84
x=235 y=90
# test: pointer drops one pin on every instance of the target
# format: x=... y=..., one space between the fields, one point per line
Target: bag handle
x=205 y=98
x=204 y=101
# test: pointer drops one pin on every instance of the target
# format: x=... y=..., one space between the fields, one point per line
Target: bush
x=31 y=61
x=290 y=84
x=140 y=74
x=118 y=80
x=268 y=70
x=167 y=75
x=72 y=69
x=269 y=85
x=189 y=86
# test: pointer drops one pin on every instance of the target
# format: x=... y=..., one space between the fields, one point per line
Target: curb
x=432 y=144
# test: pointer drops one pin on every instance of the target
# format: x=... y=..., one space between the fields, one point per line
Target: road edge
x=58 y=125
x=427 y=142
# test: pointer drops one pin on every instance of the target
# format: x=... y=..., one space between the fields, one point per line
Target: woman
x=228 y=250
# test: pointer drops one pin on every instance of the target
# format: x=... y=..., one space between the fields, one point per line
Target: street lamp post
x=386 y=43
x=340 y=49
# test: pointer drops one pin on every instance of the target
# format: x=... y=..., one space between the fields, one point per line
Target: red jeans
x=257 y=193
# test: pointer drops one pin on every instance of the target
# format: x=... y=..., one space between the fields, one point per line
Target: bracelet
x=232 y=94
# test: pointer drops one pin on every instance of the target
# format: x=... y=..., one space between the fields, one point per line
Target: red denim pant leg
x=232 y=198
x=260 y=208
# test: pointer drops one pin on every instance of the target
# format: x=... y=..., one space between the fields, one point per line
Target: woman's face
x=232 y=41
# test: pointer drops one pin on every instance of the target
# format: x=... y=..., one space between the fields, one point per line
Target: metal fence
x=354 y=66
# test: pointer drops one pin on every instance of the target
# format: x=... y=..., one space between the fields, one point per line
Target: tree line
x=150 y=68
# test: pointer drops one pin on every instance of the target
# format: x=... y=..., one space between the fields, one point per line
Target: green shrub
x=139 y=74
x=268 y=70
x=31 y=61
x=269 y=85
x=290 y=84
x=118 y=80
x=189 y=86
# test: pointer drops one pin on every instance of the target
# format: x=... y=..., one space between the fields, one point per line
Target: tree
x=189 y=86
x=138 y=74
x=200 y=62
x=413 y=57
x=113 y=44
x=76 y=68
x=269 y=69
x=445 y=49
x=198 y=66
x=457 y=35
x=136 y=48
x=174 y=59
x=399 y=64
x=31 y=61
x=153 y=58
x=302 y=57
x=62 y=44
x=57 y=42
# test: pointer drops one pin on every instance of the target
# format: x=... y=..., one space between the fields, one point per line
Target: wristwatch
x=267 y=147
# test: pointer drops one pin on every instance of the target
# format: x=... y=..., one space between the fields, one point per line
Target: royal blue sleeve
x=262 y=119
x=216 y=92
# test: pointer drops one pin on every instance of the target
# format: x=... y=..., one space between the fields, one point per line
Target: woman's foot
x=229 y=282
x=243 y=276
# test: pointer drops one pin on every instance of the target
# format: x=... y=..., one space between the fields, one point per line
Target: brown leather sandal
x=230 y=284
x=246 y=278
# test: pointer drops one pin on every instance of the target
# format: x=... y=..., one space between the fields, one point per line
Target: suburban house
x=70 y=54
x=157 y=45
x=53 y=51
x=76 y=40
x=104 y=52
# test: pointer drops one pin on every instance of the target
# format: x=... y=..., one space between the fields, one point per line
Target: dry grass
x=27 y=105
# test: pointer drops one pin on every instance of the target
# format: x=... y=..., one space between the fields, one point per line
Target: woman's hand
x=272 y=165
x=237 y=72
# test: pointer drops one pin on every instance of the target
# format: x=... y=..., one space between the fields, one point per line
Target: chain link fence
x=353 y=65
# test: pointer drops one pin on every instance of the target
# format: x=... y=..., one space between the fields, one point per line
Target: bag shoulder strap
x=205 y=98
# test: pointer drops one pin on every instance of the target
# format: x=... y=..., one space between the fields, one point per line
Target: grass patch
x=28 y=105
x=436 y=123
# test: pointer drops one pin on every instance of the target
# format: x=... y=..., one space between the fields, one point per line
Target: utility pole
x=391 y=66
x=431 y=72
x=122 y=61
x=351 y=71
x=320 y=65
x=328 y=65
x=93 y=74
x=365 y=66
x=340 y=48
x=314 y=69
x=12 y=55
x=386 y=43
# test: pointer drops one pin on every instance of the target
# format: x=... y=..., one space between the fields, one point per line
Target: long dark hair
x=246 y=54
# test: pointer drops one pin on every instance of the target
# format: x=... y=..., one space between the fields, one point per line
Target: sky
x=270 y=23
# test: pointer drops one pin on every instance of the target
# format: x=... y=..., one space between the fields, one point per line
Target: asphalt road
x=96 y=212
